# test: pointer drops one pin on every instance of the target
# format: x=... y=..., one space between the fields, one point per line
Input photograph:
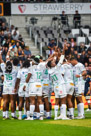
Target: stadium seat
x=85 y=32
x=80 y=39
x=75 y=31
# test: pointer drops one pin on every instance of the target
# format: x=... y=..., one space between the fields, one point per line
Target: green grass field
x=46 y=127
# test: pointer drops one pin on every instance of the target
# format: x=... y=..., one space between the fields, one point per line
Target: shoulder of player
x=79 y=64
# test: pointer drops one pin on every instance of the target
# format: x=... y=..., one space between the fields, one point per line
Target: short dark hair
x=73 y=58
x=26 y=64
x=8 y=67
x=36 y=60
x=49 y=64
x=15 y=61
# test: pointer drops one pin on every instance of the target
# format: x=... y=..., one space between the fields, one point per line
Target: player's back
x=68 y=72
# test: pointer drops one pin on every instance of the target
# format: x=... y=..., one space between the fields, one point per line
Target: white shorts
x=22 y=93
x=69 y=88
x=35 y=89
x=60 y=91
x=8 y=90
x=45 y=90
x=79 y=89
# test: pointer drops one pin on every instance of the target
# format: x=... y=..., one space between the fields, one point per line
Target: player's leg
x=5 y=104
x=56 y=107
x=47 y=106
x=27 y=107
x=15 y=105
x=12 y=101
x=80 y=106
x=32 y=106
x=1 y=90
x=70 y=106
x=41 y=106
x=21 y=100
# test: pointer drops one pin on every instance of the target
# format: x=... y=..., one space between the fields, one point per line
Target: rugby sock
x=35 y=114
x=38 y=114
x=81 y=109
x=20 y=114
x=24 y=109
x=32 y=108
x=47 y=114
x=4 y=113
x=50 y=113
x=56 y=110
x=12 y=114
x=71 y=111
x=68 y=113
x=78 y=107
x=63 y=110
x=28 y=114
x=44 y=112
x=41 y=108
x=15 y=114
x=7 y=114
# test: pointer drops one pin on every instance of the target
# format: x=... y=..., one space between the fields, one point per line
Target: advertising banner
x=57 y=8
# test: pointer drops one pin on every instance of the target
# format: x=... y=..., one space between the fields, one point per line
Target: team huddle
x=34 y=82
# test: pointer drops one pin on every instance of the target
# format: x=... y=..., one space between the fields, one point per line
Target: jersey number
x=54 y=77
x=8 y=77
x=38 y=75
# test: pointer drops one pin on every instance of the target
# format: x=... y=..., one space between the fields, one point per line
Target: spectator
x=20 y=53
x=15 y=36
x=7 y=31
x=51 y=46
x=68 y=49
x=77 y=19
x=27 y=52
x=83 y=57
x=72 y=42
x=82 y=47
x=3 y=27
x=17 y=31
x=64 y=18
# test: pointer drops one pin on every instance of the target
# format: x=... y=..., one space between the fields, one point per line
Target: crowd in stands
x=10 y=37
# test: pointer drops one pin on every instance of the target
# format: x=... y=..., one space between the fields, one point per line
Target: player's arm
x=62 y=55
x=82 y=74
x=27 y=80
x=1 y=61
x=17 y=85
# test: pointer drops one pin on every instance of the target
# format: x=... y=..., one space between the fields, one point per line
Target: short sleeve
x=62 y=70
x=3 y=67
x=19 y=74
x=30 y=69
x=82 y=68
x=42 y=65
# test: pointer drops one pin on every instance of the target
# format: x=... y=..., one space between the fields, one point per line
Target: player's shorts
x=45 y=90
x=35 y=89
x=1 y=90
x=22 y=93
x=79 y=89
x=8 y=90
x=69 y=88
x=60 y=91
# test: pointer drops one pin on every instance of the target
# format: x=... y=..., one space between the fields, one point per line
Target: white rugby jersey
x=56 y=73
x=68 y=73
x=77 y=70
x=22 y=74
x=45 y=76
x=9 y=78
x=37 y=72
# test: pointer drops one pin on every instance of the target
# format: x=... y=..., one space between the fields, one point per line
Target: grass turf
x=46 y=127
